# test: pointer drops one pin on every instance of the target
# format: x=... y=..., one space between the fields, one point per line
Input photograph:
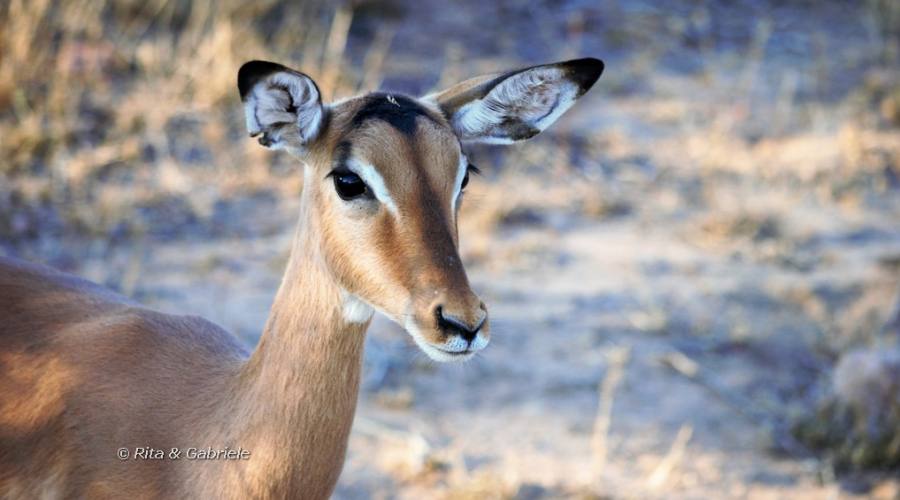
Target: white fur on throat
x=355 y=309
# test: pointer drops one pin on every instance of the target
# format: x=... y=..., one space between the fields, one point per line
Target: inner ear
x=281 y=106
x=518 y=105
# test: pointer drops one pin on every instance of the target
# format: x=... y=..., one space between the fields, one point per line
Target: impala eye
x=469 y=169
x=348 y=185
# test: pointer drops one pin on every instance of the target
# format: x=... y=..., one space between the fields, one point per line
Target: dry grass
x=607 y=392
x=119 y=123
x=140 y=107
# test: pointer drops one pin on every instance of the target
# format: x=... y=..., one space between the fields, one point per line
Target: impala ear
x=282 y=106
x=509 y=107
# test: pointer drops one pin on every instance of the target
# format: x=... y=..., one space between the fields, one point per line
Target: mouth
x=440 y=352
x=444 y=355
x=455 y=353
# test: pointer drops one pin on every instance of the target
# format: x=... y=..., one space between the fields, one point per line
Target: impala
x=101 y=397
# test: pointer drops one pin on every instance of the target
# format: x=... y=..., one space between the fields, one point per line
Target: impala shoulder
x=136 y=336
x=20 y=280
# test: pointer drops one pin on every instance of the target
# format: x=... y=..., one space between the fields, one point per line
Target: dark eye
x=348 y=185
x=469 y=169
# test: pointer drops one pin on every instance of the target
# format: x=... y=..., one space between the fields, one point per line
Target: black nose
x=452 y=325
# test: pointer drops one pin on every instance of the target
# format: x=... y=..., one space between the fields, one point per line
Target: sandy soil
x=521 y=419
x=671 y=271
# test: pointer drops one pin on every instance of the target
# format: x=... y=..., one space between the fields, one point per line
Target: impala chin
x=451 y=349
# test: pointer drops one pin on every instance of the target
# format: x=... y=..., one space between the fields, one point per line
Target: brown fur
x=85 y=372
x=399 y=264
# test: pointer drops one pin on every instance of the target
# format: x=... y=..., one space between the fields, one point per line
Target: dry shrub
x=484 y=485
x=741 y=227
x=857 y=422
x=857 y=426
x=114 y=104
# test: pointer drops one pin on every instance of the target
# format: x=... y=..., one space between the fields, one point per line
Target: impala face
x=384 y=178
x=389 y=183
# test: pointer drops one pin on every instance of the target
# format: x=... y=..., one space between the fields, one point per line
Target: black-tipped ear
x=513 y=106
x=254 y=71
x=282 y=105
x=584 y=72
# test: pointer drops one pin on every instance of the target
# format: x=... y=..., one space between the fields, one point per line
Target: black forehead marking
x=398 y=111
x=342 y=153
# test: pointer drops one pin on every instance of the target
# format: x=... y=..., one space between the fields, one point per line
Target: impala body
x=86 y=373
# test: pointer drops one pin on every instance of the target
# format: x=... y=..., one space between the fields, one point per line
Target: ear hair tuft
x=282 y=107
x=265 y=140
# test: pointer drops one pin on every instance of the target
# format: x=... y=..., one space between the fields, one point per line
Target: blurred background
x=693 y=276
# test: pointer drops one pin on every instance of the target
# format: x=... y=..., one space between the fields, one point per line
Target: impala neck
x=297 y=392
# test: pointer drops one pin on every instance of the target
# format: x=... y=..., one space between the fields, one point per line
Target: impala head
x=384 y=177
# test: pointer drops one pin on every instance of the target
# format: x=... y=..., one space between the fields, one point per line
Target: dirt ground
x=707 y=345
x=672 y=271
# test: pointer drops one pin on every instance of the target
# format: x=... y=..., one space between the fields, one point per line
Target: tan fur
x=85 y=372
x=399 y=264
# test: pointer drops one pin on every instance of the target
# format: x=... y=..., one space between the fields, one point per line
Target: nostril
x=453 y=325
